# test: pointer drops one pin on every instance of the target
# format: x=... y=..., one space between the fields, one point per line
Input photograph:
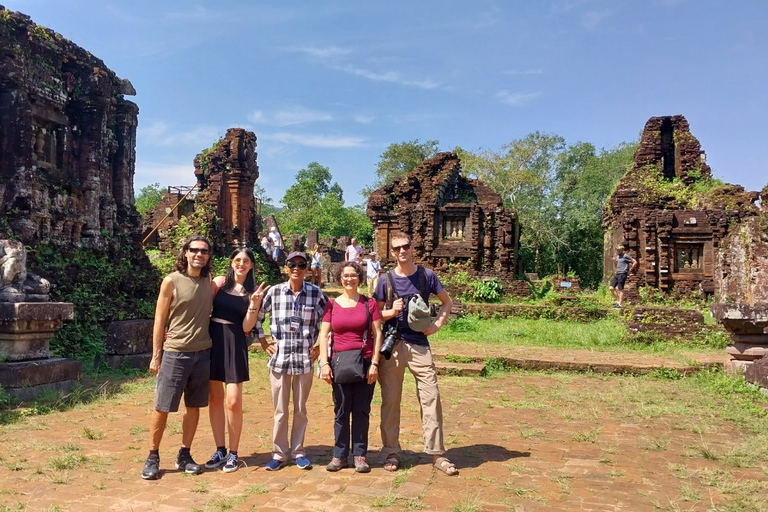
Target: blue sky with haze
x=337 y=81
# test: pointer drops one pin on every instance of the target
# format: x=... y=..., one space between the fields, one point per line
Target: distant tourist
x=372 y=269
x=235 y=309
x=277 y=242
x=317 y=266
x=356 y=324
x=412 y=351
x=624 y=264
x=295 y=309
x=181 y=355
x=354 y=251
x=266 y=244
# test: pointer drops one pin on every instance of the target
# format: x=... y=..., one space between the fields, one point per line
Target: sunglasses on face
x=195 y=250
x=292 y=264
x=398 y=248
x=350 y=277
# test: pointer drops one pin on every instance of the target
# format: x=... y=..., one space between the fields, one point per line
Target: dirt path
x=523 y=441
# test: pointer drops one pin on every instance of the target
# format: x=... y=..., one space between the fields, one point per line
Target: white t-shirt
x=353 y=252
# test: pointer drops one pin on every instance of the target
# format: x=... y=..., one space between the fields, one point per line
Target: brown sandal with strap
x=392 y=463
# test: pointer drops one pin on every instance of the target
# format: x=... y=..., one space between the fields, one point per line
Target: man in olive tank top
x=181 y=352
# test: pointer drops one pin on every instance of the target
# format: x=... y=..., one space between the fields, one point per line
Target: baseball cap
x=296 y=254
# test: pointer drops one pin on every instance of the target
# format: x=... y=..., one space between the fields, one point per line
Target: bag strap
x=367 y=320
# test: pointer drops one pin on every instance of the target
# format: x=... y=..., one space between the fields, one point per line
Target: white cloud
x=290 y=117
x=389 y=76
x=363 y=119
x=160 y=133
x=515 y=99
x=518 y=72
x=317 y=141
x=327 y=52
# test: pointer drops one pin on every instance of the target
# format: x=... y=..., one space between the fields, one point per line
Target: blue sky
x=338 y=81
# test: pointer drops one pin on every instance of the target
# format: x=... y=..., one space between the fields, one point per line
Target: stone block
x=757 y=372
x=129 y=337
x=22 y=374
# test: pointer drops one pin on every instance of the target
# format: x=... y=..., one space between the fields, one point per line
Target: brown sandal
x=446 y=466
x=392 y=463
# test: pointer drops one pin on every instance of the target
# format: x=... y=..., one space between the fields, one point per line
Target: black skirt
x=229 y=353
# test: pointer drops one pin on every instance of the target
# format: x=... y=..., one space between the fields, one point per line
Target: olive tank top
x=190 y=314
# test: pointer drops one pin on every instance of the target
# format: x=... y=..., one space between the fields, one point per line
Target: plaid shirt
x=292 y=354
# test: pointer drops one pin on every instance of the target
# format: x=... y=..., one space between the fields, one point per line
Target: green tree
x=523 y=173
x=557 y=192
x=314 y=202
x=585 y=179
x=149 y=197
x=399 y=159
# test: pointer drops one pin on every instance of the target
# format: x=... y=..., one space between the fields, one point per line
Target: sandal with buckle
x=392 y=463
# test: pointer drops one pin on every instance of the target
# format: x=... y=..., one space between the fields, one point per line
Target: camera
x=390 y=339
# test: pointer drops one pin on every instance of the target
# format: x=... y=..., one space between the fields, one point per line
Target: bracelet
x=251 y=310
x=325 y=364
x=375 y=364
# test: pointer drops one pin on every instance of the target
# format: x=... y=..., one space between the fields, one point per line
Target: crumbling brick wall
x=451 y=219
x=670 y=227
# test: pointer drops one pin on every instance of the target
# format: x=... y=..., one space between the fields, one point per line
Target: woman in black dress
x=235 y=308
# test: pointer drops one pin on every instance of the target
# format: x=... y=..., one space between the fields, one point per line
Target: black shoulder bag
x=348 y=365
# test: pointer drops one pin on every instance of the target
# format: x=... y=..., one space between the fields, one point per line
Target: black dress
x=229 y=353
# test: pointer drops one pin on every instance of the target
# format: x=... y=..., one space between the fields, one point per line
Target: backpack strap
x=422 y=282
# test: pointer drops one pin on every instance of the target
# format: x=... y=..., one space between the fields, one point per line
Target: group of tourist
x=200 y=351
x=272 y=243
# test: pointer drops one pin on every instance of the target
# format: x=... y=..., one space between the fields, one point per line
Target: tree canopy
x=149 y=197
x=399 y=159
x=557 y=192
x=314 y=202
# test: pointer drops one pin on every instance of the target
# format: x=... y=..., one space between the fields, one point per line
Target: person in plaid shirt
x=295 y=311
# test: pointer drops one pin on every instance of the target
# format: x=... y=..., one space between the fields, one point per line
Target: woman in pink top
x=346 y=317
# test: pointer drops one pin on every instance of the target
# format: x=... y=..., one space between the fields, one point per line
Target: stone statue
x=16 y=285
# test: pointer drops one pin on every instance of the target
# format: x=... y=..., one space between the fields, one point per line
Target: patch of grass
x=202 y=487
x=469 y=504
x=688 y=493
x=220 y=503
x=586 y=437
x=256 y=489
x=451 y=358
x=69 y=461
x=564 y=482
x=92 y=434
x=532 y=432
x=138 y=430
x=657 y=444
x=387 y=500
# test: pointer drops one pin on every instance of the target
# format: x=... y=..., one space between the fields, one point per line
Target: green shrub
x=488 y=290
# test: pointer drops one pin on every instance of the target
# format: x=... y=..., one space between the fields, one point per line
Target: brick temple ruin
x=67 y=163
x=67 y=139
x=222 y=197
x=452 y=219
x=670 y=213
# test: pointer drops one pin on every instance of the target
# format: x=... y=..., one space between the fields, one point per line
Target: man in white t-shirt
x=277 y=242
x=354 y=252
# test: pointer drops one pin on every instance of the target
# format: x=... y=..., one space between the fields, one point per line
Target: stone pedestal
x=25 y=332
x=748 y=327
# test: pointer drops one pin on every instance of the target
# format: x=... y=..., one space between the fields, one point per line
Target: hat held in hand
x=419 y=314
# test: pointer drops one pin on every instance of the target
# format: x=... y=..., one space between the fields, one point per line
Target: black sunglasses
x=292 y=264
x=195 y=250
x=397 y=248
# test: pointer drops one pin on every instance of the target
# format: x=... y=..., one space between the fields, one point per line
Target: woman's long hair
x=250 y=282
